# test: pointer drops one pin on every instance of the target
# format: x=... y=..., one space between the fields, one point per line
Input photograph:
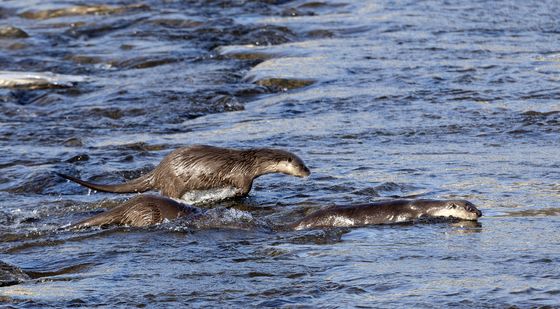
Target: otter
x=203 y=168
x=387 y=212
x=139 y=211
x=145 y=210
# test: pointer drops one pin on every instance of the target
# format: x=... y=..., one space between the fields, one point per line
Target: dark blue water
x=431 y=99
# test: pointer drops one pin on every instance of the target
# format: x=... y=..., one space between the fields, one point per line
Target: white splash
x=224 y=218
x=236 y=215
x=211 y=195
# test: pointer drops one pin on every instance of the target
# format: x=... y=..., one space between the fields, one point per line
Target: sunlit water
x=382 y=99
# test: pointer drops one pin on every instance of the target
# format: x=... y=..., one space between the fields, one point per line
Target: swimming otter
x=387 y=212
x=203 y=168
x=141 y=210
x=145 y=210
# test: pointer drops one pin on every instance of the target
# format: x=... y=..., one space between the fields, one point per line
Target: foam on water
x=211 y=195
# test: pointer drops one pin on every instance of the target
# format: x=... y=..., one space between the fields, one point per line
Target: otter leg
x=173 y=188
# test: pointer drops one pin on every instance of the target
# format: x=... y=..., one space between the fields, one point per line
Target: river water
x=381 y=99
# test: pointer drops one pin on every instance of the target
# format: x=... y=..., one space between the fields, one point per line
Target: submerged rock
x=11 y=275
x=17 y=46
x=73 y=142
x=84 y=59
x=111 y=112
x=176 y=23
x=78 y=158
x=242 y=53
x=37 y=80
x=82 y=10
x=283 y=84
x=9 y=32
x=35 y=183
x=97 y=29
x=227 y=103
x=144 y=62
x=268 y=35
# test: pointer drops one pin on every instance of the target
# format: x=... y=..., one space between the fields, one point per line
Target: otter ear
x=290 y=160
x=452 y=206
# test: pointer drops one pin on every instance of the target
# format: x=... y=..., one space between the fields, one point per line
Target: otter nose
x=478 y=213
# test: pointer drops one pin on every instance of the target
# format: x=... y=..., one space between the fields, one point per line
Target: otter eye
x=290 y=160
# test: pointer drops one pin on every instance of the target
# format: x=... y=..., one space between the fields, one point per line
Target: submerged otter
x=202 y=168
x=146 y=210
x=387 y=212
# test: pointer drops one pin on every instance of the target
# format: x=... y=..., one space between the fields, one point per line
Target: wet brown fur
x=204 y=167
x=383 y=212
x=145 y=210
x=139 y=211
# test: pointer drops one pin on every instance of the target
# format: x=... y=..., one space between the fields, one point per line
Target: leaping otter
x=202 y=168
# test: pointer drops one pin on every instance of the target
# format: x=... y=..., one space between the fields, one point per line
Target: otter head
x=459 y=209
x=280 y=161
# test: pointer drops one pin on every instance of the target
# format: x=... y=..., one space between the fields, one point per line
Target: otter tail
x=140 y=184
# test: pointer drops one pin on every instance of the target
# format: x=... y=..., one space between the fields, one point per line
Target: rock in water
x=10 y=32
x=11 y=275
x=37 y=80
